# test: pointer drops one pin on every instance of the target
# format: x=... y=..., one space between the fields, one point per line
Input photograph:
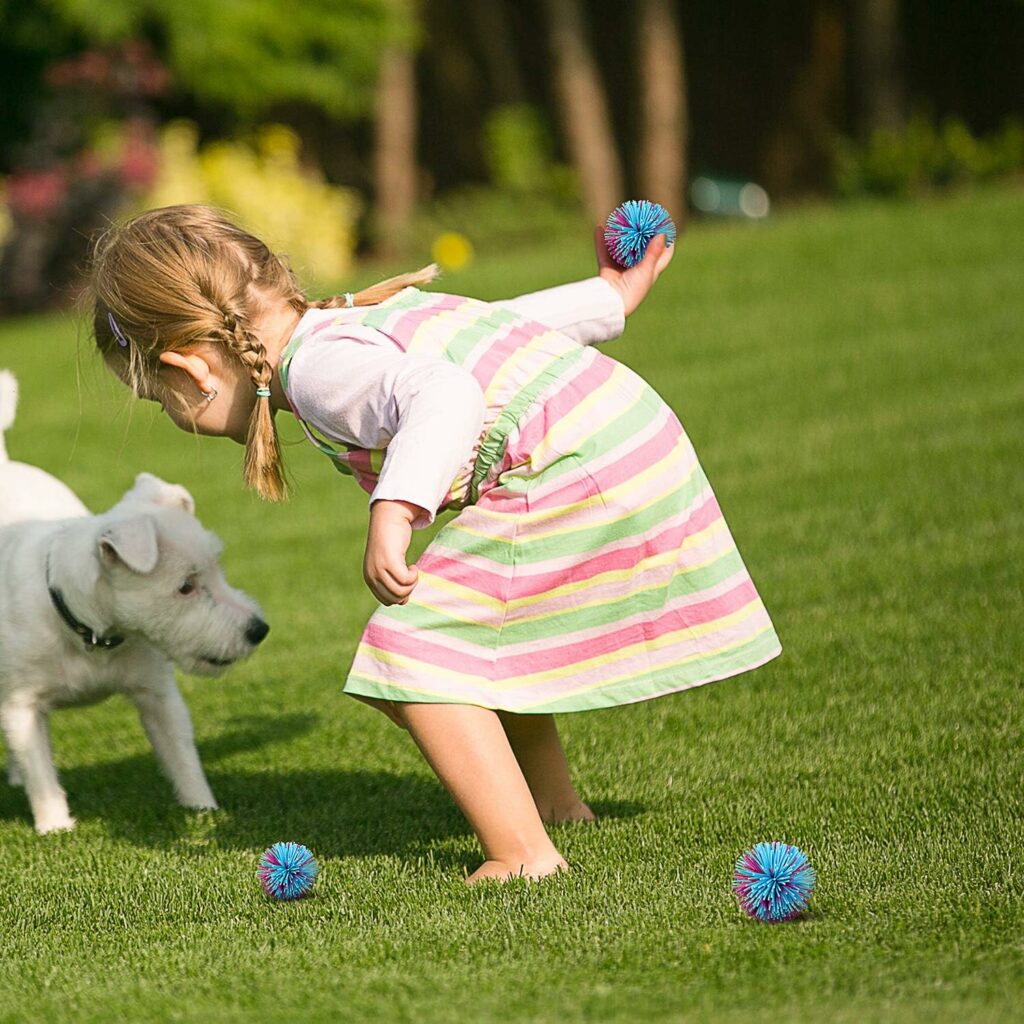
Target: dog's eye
x=188 y=587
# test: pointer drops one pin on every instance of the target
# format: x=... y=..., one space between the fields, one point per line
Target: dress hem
x=356 y=686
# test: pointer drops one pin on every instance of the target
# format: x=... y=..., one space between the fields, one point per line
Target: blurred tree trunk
x=494 y=31
x=877 y=61
x=584 y=109
x=664 y=121
x=394 y=144
x=797 y=155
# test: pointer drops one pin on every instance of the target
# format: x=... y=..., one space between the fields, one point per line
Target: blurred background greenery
x=351 y=131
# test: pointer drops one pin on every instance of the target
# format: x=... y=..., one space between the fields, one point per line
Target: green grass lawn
x=852 y=380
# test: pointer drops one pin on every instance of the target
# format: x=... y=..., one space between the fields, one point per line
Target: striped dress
x=589 y=564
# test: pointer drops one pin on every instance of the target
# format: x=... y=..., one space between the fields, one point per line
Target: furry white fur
x=146 y=571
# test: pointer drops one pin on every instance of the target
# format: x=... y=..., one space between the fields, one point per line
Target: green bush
x=925 y=156
x=264 y=184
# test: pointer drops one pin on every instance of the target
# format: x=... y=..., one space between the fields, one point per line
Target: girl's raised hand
x=633 y=284
x=384 y=568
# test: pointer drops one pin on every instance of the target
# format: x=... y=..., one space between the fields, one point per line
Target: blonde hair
x=182 y=275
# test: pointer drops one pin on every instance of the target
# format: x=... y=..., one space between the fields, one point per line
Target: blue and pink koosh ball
x=631 y=227
x=773 y=882
x=287 y=871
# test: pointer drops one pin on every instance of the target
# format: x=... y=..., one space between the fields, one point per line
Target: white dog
x=92 y=605
x=25 y=491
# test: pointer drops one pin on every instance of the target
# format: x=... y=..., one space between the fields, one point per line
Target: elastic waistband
x=492 y=448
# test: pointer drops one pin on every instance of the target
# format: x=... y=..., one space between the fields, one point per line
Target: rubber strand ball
x=630 y=228
x=773 y=882
x=287 y=871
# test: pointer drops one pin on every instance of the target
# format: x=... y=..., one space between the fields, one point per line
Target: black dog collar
x=93 y=640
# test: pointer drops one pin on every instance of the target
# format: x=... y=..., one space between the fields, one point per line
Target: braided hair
x=183 y=275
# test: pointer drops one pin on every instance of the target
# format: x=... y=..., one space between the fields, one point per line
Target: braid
x=380 y=291
x=263 y=466
x=179 y=276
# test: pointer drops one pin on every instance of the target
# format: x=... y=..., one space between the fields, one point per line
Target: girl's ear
x=189 y=362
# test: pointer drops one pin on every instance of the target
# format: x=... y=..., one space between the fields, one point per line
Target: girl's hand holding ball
x=643 y=254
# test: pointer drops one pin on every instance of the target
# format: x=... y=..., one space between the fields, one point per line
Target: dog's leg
x=13 y=772
x=28 y=744
x=168 y=725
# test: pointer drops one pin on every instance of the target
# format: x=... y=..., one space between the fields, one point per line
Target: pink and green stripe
x=589 y=564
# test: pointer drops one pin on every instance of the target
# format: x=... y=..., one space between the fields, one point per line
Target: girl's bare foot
x=575 y=810
x=534 y=741
x=505 y=871
x=470 y=752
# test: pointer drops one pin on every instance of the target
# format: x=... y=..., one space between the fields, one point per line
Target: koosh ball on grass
x=287 y=871
x=630 y=228
x=773 y=882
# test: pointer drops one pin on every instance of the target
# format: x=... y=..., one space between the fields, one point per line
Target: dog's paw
x=47 y=823
x=199 y=804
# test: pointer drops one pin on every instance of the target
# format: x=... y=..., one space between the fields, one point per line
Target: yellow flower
x=452 y=250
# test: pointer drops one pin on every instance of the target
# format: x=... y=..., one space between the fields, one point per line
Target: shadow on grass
x=339 y=812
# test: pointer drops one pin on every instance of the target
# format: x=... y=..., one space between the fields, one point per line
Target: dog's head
x=163 y=580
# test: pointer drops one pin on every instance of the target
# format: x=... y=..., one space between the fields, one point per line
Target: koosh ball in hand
x=630 y=228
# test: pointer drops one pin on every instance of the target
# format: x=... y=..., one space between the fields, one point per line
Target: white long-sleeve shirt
x=352 y=385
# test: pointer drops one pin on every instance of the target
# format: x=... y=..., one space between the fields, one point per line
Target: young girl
x=589 y=564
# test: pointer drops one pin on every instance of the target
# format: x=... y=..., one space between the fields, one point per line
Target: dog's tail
x=8 y=406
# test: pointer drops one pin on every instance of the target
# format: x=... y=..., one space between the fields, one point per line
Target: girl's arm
x=594 y=310
x=438 y=411
x=427 y=412
x=589 y=311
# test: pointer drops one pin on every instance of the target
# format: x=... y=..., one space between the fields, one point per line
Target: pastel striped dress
x=589 y=564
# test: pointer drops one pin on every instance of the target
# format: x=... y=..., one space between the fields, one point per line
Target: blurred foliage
x=263 y=184
x=491 y=218
x=517 y=147
x=925 y=156
x=530 y=194
x=252 y=54
x=68 y=181
x=519 y=150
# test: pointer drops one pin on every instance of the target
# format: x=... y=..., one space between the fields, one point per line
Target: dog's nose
x=256 y=630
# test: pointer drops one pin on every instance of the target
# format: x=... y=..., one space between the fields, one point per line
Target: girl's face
x=187 y=376
x=184 y=380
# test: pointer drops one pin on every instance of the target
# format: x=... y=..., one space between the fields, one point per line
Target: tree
x=394 y=148
x=255 y=54
x=798 y=151
x=877 y=64
x=494 y=37
x=664 y=121
x=584 y=108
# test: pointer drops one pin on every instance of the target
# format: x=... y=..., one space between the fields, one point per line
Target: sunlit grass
x=852 y=380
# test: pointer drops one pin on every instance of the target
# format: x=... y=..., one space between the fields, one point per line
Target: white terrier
x=93 y=605
x=25 y=491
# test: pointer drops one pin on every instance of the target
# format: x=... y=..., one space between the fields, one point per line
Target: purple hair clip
x=121 y=339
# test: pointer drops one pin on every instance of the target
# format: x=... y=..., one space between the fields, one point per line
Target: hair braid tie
x=262 y=468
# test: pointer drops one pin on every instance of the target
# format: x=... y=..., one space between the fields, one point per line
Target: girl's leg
x=538 y=749
x=387 y=707
x=469 y=750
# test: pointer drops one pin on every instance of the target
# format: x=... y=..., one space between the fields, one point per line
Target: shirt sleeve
x=589 y=311
x=427 y=412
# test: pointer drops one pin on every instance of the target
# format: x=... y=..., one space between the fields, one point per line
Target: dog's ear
x=148 y=487
x=131 y=541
